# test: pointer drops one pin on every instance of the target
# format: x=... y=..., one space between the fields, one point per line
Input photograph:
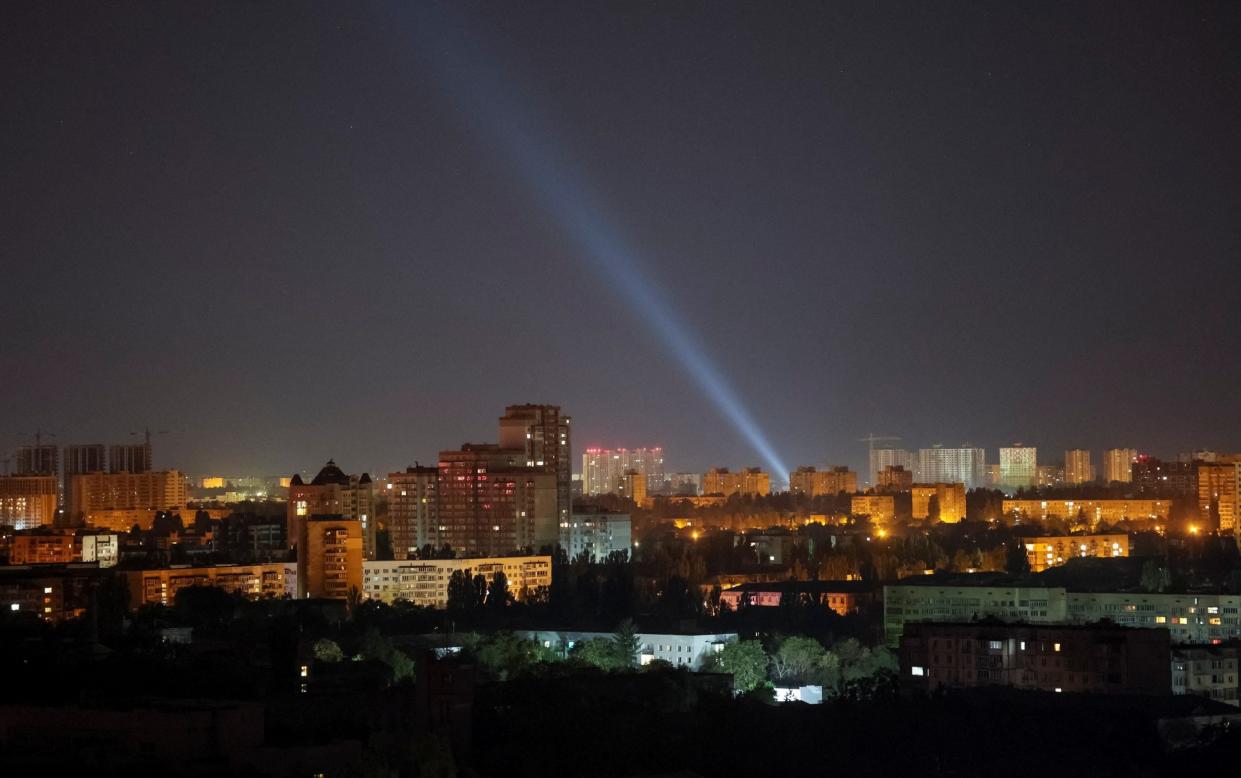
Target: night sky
x=285 y=232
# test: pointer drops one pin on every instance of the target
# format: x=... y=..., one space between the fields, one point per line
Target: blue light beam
x=496 y=113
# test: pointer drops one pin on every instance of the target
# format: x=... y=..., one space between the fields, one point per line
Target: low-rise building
x=949 y=502
x=681 y=650
x=47 y=546
x=1207 y=671
x=751 y=481
x=813 y=482
x=843 y=597
x=1096 y=658
x=424 y=582
x=904 y=604
x=1091 y=512
x=1190 y=618
x=1045 y=552
x=160 y=586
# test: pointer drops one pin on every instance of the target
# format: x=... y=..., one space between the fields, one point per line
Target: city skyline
x=781 y=178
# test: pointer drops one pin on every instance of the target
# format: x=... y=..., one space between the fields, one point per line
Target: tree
x=746 y=661
x=1016 y=562
x=379 y=648
x=326 y=650
x=627 y=644
x=597 y=652
x=497 y=594
x=798 y=659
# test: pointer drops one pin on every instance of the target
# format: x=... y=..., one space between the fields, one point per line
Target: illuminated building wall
x=213 y=482
x=92 y=493
x=889 y=457
x=965 y=465
x=596 y=535
x=1077 y=467
x=1207 y=671
x=1219 y=483
x=1191 y=618
x=1099 y=659
x=542 y=433
x=813 y=482
x=950 y=499
x=1018 y=466
x=881 y=508
x=424 y=582
x=894 y=478
x=750 y=481
x=329 y=557
x=603 y=468
x=161 y=586
x=633 y=486
x=413 y=510
x=333 y=493
x=28 y=501
x=492 y=504
x=1118 y=465
x=1045 y=552
x=80 y=459
x=45 y=546
x=905 y=603
x=1089 y=511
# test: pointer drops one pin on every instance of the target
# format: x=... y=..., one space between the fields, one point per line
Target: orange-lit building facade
x=329 y=557
x=894 y=478
x=110 y=499
x=333 y=493
x=1045 y=552
x=814 y=483
x=161 y=586
x=1219 y=484
x=843 y=597
x=1091 y=512
x=949 y=501
x=28 y=501
x=881 y=508
x=750 y=481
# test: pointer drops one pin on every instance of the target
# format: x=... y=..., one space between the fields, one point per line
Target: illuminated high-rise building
x=120 y=500
x=491 y=503
x=542 y=433
x=966 y=465
x=413 y=510
x=894 y=478
x=1153 y=476
x=1077 y=467
x=889 y=457
x=333 y=493
x=329 y=557
x=949 y=502
x=1018 y=466
x=603 y=468
x=1118 y=465
x=813 y=482
x=633 y=486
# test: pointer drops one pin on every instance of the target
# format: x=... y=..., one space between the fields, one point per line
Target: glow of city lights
x=501 y=116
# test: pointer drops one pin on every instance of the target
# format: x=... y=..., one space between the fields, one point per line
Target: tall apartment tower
x=1219 y=489
x=966 y=465
x=542 y=433
x=1077 y=467
x=413 y=510
x=1018 y=466
x=332 y=493
x=38 y=460
x=80 y=460
x=1118 y=465
x=129 y=458
x=491 y=503
x=604 y=468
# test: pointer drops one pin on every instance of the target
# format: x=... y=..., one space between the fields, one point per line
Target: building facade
x=948 y=501
x=1219 y=483
x=161 y=586
x=333 y=493
x=814 y=483
x=881 y=458
x=28 y=501
x=1018 y=466
x=602 y=468
x=1078 y=469
x=424 y=582
x=1118 y=465
x=329 y=557
x=1099 y=659
x=1045 y=552
x=751 y=481
x=130 y=458
x=596 y=535
x=1206 y=671
x=542 y=433
x=92 y=496
x=881 y=508
x=680 y=650
x=413 y=510
x=967 y=465
x=492 y=504
x=894 y=478
x=1091 y=512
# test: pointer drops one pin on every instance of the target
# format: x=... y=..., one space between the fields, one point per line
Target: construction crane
x=146 y=442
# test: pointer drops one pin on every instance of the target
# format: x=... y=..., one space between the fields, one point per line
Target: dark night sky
x=274 y=229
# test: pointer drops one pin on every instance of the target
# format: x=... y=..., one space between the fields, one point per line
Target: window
x=996 y=645
x=916 y=670
x=1055 y=647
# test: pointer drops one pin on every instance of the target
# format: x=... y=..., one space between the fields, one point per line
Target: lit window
x=915 y=670
x=47 y=590
x=996 y=645
x=1055 y=647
